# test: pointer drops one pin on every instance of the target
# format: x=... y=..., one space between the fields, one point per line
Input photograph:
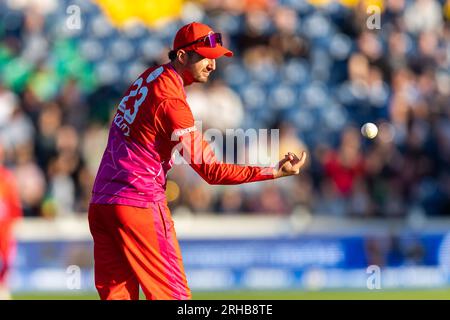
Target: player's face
x=200 y=68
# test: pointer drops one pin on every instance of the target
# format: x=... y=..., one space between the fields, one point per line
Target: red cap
x=195 y=31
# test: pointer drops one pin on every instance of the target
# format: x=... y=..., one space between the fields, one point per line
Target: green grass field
x=426 y=294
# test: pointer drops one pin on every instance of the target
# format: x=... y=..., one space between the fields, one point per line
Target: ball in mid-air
x=369 y=130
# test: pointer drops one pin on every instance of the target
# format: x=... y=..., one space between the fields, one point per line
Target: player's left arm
x=198 y=153
x=203 y=160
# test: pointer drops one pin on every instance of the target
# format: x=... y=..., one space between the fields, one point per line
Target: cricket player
x=135 y=243
x=10 y=211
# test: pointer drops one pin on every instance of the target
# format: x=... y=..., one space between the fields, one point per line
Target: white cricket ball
x=369 y=130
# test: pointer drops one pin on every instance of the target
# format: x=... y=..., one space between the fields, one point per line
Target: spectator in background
x=35 y=43
x=30 y=180
x=10 y=211
x=20 y=130
x=231 y=201
x=398 y=43
x=8 y=103
x=346 y=165
x=62 y=170
x=286 y=39
x=197 y=96
x=48 y=122
x=425 y=59
x=255 y=30
x=393 y=14
x=269 y=201
x=329 y=200
x=423 y=15
x=369 y=44
x=226 y=103
x=15 y=127
x=73 y=105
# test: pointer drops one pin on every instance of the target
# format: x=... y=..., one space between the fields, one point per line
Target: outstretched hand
x=290 y=165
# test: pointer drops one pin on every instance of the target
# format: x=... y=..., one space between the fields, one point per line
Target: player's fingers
x=291 y=156
x=303 y=157
x=300 y=162
x=283 y=161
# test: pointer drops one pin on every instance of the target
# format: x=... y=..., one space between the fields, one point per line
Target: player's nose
x=212 y=64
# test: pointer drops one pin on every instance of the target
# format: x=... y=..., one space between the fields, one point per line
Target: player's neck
x=178 y=68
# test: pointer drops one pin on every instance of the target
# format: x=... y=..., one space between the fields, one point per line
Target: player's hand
x=290 y=165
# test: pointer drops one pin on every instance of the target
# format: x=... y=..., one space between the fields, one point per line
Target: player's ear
x=182 y=57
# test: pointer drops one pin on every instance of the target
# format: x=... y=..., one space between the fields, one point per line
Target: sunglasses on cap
x=211 y=41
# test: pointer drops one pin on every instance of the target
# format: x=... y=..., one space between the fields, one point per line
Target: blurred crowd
x=315 y=72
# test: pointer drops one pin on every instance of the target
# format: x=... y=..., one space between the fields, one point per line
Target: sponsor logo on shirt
x=182 y=132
